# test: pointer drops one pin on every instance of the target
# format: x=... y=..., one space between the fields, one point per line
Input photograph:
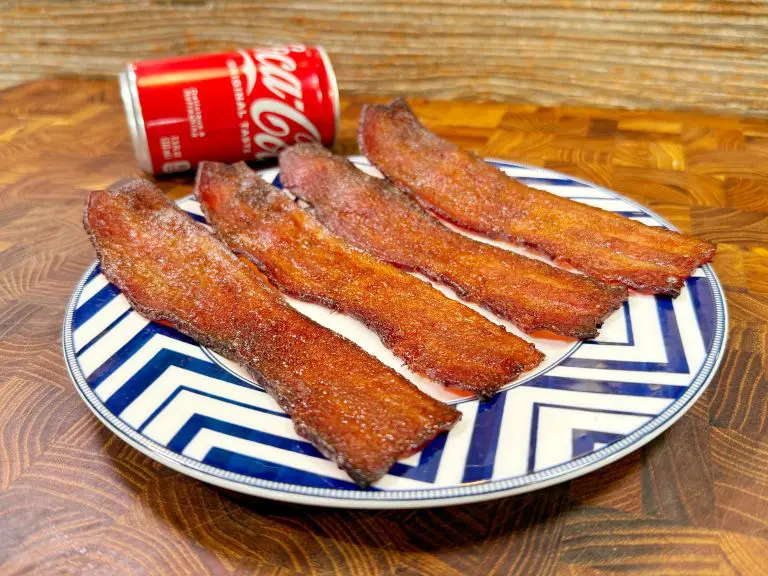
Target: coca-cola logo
x=282 y=116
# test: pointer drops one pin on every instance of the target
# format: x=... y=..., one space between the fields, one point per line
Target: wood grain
x=642 y=54
x=75 y=499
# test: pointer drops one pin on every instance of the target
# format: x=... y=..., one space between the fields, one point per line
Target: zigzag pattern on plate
x=163 y=385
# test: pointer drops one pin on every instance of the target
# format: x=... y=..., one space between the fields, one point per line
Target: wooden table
x=74 y=498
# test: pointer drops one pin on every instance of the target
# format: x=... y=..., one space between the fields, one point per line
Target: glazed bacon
x=376 y=217
x=434 y=335
x=460 y=187
x=356 y=411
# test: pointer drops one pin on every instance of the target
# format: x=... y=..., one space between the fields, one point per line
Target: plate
x=588 y=404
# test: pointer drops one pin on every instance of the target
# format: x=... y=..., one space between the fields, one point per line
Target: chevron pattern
x=651 y=358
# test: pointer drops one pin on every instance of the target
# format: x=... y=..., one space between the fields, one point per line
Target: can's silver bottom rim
x=334 y=91
x=134 y=118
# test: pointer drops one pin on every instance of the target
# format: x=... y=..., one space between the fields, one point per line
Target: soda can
x=243 y=105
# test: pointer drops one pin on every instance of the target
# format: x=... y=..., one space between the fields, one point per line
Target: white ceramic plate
x=588 y=404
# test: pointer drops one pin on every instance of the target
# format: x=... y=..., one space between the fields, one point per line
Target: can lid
x=133 y=116
x=334 y=91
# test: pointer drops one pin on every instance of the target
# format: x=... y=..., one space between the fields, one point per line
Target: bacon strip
x=434 y=335
x=355 y=410
x=460 y=187
x=376 y=217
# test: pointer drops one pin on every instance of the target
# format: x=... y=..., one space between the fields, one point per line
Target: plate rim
x=426 y=497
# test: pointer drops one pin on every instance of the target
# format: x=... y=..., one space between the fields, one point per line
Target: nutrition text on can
x=243 y=105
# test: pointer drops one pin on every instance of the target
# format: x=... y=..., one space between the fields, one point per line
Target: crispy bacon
x=355 y=410
x=373 y=215
x=460 y=187
x=434 y=335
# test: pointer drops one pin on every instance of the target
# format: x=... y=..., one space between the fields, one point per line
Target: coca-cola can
x=243 y=105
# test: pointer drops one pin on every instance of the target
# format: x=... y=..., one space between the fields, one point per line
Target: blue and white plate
x=589 y=404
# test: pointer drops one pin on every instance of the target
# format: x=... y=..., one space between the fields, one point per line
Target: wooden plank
x=698 y=54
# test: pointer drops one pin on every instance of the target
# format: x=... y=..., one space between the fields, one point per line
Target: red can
x=243 y=105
